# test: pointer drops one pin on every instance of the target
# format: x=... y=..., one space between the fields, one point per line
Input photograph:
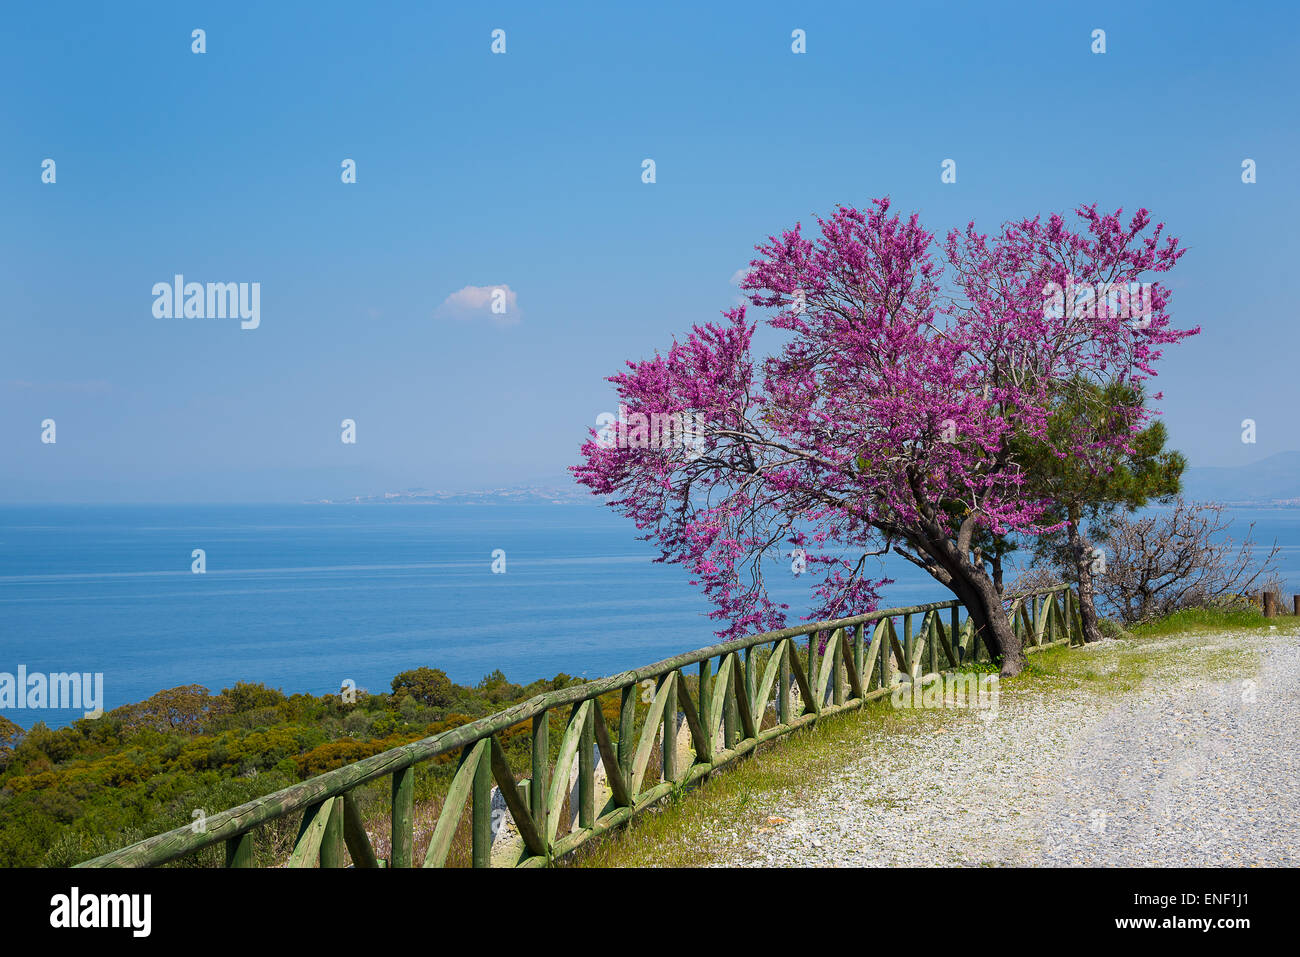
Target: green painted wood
x=729 y=709
x=942 y=633
x=759 y=699
x=354 y=834
x=837 y=666
x=740 y=697
x=587 y=770
x=564 y=767
x=517 y=800
x=718 y=698
x=403 y=834
x=810 y=702
x=453 y=806
x=669 y=748
x=622 y=797
x=871 y=677
x=885 y=638
x=627 y=730
x=812 y=667
x=1026 y=624
x=827 y=668
x=239 y=851
x=331 y=846
x=919 y=647
x=784 y=711
x=306 y=850
x=859 y=650
x=541 y=776
x=481 y=808
x=854 y=657
x=704 y=690
x=693 y=721
x=900 y=658
x=907 y=644
x=649 y=731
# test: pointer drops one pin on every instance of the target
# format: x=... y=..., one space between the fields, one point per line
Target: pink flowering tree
x=891 y=415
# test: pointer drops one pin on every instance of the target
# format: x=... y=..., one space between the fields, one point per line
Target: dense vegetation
x=71 y=793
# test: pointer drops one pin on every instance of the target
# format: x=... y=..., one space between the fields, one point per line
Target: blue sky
x=524 y=170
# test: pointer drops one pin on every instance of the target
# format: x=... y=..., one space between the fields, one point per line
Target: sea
x=307 y=597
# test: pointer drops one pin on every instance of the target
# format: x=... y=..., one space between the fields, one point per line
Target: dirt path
x=1197 y=765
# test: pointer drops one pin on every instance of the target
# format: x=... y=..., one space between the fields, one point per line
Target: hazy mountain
x=1275 y=479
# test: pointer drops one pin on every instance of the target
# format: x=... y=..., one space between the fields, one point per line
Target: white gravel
x=1185 y=770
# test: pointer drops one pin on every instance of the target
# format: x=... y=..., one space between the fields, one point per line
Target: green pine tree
x=1095 y=486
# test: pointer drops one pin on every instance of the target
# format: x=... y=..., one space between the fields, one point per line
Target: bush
x=428 y=686
x=1113 y=629
x=72 y=793
x=1175 y=559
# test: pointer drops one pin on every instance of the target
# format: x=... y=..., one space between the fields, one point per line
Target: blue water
x=303 y=597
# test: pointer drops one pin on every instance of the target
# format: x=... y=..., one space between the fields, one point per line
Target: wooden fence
x=746 y=692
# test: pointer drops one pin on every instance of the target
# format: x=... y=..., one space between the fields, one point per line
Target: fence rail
x=759 y=679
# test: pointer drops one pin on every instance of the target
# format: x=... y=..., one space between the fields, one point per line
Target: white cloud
x=742 y=299
x=497 y=303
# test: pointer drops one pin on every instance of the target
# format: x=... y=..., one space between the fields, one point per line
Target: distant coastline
x=524 y=495
x=1271 y=482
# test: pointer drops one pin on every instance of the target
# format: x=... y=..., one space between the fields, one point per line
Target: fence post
x=1270 y=604
x=1295 y=599
x=331 y=846
x=481 y=810
x=704 y=700
x=239 y=850
x=403 y=820
x=541 y=778
x=626 y=727
x=668 y=753
x=785 y=649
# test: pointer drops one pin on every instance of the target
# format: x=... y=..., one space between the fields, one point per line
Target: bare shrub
x=1179 y=558
x=1036 y=578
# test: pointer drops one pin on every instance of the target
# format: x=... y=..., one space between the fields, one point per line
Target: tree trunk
x=1083 y=568
x=976 y=590
x=993 y=626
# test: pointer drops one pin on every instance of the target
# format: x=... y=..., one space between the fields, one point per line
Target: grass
x=1213 y=619
x=682 y=831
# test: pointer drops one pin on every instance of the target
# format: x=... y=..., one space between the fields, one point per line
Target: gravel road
x=1200 y=766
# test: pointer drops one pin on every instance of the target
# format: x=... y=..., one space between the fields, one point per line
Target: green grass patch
x=1213 y=619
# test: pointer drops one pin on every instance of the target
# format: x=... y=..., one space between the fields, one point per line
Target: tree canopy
x=892 y=417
